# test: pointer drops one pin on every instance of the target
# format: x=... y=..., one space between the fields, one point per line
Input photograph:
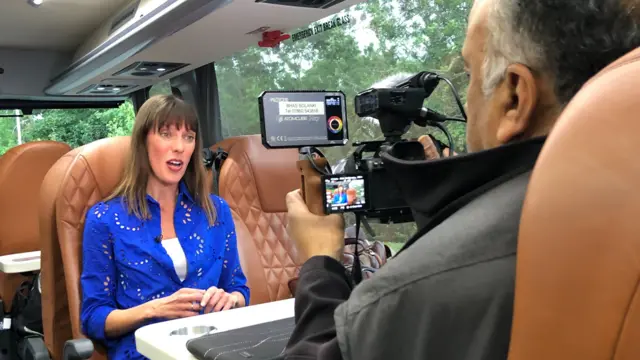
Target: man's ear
x=519 y=97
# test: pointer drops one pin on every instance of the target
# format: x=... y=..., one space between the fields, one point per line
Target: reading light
x=35 y=3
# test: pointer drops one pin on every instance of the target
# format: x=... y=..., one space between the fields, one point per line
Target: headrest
x=32 y=156
x=22 y=169
x=34 y=149
x=274 y=170
x=105 y=159
x=578 y=264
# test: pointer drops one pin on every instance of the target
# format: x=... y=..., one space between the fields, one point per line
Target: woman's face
x=170 y=149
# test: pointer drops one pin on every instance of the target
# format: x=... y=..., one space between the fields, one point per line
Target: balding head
x=477 y=29
x=568 y=40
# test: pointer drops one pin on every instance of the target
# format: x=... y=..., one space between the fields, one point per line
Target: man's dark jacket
x=448 y=294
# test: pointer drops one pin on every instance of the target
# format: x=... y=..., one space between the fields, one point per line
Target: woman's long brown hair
x=157 y=112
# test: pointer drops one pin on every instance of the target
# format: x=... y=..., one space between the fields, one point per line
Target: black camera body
x=395 y=108
x=364 y=186
x=383 y=200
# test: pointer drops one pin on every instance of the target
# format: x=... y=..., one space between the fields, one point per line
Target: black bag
x=26 y=309
x=265 y=341
x=372 y=256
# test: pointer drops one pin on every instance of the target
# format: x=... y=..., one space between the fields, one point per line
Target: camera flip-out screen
x=294 y=119
x=345 y=193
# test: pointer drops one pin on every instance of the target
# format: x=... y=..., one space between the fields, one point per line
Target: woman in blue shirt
x=160 y=247
x=340 y=196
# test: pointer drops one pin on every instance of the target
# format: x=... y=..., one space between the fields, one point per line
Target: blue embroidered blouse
x=124 y=266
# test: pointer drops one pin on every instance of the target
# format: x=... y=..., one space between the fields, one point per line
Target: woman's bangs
x=177 y=114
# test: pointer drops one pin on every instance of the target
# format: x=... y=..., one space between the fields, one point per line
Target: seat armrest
x=33 y=348
x=77 y=349
x=20 y=262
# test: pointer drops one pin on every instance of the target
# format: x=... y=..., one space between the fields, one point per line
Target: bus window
x=380 y=38
x=161 y=88
x=9 y=132
x=74 y=127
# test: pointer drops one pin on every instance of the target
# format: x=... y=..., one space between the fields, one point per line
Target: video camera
x=310 y=119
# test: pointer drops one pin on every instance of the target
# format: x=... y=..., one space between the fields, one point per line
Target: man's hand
x=430 y=151
x=216 y=299
x=314 y=234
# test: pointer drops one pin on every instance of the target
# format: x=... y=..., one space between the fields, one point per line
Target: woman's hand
x=216 y=299
x=183 y=303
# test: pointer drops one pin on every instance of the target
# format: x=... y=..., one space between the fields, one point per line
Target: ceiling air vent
x=107 y=89
x=126 y=15
x=150 y=69
x=316 y=4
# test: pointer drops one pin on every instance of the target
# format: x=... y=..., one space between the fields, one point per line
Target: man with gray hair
x=451 y=295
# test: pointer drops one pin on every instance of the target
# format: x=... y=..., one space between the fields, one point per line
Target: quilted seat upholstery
x=254 y=181
x=77 y=181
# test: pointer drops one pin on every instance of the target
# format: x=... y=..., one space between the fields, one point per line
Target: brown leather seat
x=77 y=181
x=22 y=169
x=254 y=181
x=578 y=267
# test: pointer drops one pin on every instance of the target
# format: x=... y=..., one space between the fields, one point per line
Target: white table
x=20 y=263
x=156 y=341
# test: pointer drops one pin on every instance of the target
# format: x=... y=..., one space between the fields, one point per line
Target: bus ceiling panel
x=233 y=29
x=25 y=73
x=139 y=33
x=26 y=105
x=57 y=25
x=192 y=34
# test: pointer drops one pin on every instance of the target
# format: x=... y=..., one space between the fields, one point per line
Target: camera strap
x=216 y=164
x=207 y=158
x=219 y=158
x=357 y=267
